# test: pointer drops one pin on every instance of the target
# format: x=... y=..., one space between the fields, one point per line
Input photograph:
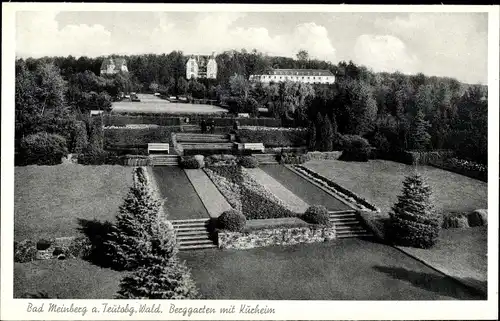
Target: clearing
x=152 y=104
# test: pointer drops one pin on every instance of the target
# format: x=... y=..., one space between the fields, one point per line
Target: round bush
x=190 y=163
x=249 y=162
x=232 y=220
x=43 y=149
x=478 y=218
x=24 y=251
x=317 y=214
x=43 y=244
x=455 y=220
x=355 y=148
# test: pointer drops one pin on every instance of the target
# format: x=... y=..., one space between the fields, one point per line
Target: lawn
x=152 y=104
x=68 y=279
x=342 y=270
x=308 y=192
x=380 y=182
x=460 y=253
x=49 y=200
x=182 y=201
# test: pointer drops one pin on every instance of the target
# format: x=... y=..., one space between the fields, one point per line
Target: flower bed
x=275 y=236
x=360 y=202
x=58 y=248
x=245 y=194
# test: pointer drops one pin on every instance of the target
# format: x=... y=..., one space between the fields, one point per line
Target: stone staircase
x=348 y=225
x=193 y=234
x=164 y=160
x=266 y=158
x=201 y=138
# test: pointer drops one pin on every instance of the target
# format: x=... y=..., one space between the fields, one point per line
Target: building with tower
x=201 y=66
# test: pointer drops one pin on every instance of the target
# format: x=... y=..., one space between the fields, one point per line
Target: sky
x=436 y=44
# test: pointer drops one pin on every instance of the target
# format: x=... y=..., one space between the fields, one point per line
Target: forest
x=392 y=111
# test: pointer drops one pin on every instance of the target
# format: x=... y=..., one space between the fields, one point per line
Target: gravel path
x=213 y=200
x=293 y=202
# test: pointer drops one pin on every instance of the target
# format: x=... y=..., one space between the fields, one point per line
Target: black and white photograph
x=162 y=160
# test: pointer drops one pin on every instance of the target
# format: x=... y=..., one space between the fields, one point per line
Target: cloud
x=38 y=34
x=449 y=43
x=219 y=32
x=384 y=53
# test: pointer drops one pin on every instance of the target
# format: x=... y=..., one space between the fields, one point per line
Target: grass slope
x=182 y=201
x=310 y=193
x=344 y=270
x=49 y=200
x=380 y=182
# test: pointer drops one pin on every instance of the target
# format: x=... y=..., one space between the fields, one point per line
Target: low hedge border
x=336 y=188
x=58 y=248
x=449 y=166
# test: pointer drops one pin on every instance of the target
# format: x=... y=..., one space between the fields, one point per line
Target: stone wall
x=277 y=236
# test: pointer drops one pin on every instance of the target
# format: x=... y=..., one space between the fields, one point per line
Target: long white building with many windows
x=310 y=76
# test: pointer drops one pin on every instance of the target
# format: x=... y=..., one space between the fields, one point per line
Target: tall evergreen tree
x=326 y=135
x=413 y=220
x=420 y=136
x=319 y=126
x=311 y=136
x=160 y=279
x=134 y=235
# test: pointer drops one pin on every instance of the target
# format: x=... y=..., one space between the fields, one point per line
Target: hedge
x=175 y=120
x=137 y=137
x=42 y=149
x=292 y=158
x=273 y=138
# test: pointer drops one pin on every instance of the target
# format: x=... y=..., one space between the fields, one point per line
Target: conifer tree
x=311 y=138
x=159 y=279
x=130 y=241
x=319 y=125
x=326 y=135
x=413 y=219
x=420 y=131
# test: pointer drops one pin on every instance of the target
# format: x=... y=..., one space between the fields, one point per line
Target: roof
x=300 y=72
x=117 y=61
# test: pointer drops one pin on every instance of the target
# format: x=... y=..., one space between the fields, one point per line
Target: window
x=302 y=77
x=281 y=77
x=274 y=77
x=192 y=68
x=308 y=77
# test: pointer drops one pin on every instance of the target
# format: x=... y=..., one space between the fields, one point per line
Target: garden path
x=214 y=201
x=293 y=202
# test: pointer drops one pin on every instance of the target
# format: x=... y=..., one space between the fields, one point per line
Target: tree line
x=392 y=111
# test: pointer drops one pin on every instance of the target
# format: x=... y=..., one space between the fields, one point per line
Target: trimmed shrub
x=316 y=214
x=43 y=244
x=478 y=218
x=413 y=219
x=80 y=247
x=355 y=148
x=137 y=137
x=232 y=220
x=454 y=220
x=189 y=163
x=95 y=156
x=159 y=279
x=24 y=251
x=292 y=158
x=42 y=149
x=249 y=162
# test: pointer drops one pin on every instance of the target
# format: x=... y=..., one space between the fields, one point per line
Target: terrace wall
x=276 y=236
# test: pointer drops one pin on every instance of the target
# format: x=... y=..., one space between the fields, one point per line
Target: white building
x=112 y=66
x=201 y=66
x=310 y=76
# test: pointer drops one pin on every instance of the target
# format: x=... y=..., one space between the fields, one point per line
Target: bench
x=159 y=147
x=253 y=146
